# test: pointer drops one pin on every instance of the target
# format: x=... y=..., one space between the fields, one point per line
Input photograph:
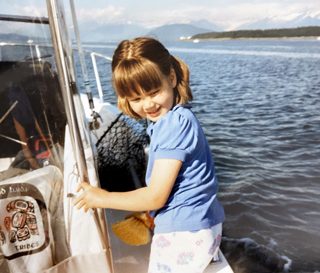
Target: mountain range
x=302 y=20
x=117 y=32
x=92 y=32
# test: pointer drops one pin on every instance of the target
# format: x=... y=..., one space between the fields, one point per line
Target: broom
x=134 y=230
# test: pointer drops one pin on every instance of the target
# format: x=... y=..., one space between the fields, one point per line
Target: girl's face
x=157 y=102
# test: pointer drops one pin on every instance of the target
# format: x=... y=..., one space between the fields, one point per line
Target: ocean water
x=259 y=104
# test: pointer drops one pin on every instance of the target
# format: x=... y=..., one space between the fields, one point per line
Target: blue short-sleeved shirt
x=192 y=204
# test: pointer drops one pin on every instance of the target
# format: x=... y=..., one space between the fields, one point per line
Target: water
x=258 y=102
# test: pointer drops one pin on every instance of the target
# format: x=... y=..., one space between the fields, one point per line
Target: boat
x=50 y=131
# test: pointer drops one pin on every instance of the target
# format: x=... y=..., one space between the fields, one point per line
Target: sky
x=228 y=14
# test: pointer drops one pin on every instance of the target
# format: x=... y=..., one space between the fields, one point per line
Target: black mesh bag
x=121 y=155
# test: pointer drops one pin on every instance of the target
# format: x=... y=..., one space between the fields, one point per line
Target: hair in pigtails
x=182 y=90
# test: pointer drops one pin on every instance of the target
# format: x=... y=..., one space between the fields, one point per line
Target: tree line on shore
x=312 y=31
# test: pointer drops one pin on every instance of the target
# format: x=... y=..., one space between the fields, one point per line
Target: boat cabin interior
x=30 y=95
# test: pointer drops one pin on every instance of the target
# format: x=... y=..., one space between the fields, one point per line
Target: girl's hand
x=153 y=197
x=92 y=197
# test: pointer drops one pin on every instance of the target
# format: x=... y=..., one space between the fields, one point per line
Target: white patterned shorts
x=184 y=252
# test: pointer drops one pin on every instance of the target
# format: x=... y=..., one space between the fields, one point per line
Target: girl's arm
x=25 y=148
x=164 y=174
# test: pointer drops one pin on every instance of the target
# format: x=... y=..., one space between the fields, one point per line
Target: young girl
x=182 y=186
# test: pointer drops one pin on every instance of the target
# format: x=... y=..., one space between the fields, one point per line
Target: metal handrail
x=24 y=19
x=95 y=69
x=67 y=89
x=19 y=44
x=96 y=73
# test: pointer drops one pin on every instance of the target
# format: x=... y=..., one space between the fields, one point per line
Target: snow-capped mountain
x=301 y=20
x=92 y=32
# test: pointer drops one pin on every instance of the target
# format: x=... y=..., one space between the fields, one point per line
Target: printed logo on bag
x=18 y=189
x=25 y=223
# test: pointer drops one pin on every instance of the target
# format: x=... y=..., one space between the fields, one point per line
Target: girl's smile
x=155 y=113
x=156 y=103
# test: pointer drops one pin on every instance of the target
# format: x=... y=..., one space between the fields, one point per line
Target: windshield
x=32 y=116
x=32 y=137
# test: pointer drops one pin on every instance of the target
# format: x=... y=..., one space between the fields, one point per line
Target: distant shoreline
x=252 y=38
x=312 y=32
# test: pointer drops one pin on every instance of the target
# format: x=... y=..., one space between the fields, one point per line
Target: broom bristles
x=133 y=230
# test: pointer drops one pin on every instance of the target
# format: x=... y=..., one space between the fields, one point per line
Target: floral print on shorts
x=184 y=252
x=185 y=258
x=163 y=268
x=162 y=242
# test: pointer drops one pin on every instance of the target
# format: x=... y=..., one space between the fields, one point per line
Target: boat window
x=32 y=115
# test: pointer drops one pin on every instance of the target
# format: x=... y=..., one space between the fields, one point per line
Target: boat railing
x=96 y=71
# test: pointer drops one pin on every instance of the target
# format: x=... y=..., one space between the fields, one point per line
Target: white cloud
x=106 y=15
x=31 y=11
x=235 y=15
x=226 y=14
x=229 y=16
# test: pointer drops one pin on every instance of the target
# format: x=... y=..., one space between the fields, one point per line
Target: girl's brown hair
x=140 y=65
